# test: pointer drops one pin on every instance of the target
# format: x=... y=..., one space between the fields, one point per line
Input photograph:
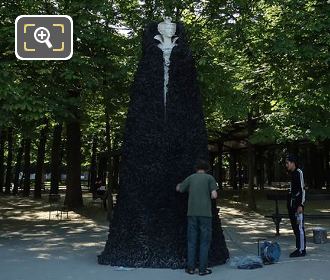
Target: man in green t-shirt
x=201 y=187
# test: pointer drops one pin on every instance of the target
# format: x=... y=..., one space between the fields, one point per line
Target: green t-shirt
x=199 y=186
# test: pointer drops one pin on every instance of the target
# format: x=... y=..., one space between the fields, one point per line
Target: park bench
x=282 y=196
x=280 y=185
x=100 y=199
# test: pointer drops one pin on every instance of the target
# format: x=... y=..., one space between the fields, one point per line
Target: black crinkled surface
x=149 y=224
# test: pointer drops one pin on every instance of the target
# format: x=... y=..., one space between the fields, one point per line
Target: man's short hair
x=292 y=158
x=202 y=165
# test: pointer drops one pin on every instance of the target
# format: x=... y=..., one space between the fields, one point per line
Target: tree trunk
x=321 y=160
x=116 y=162
x=56 y=158
x=73 y=197
x=308 y=178
x=18 y=168
x=9 y=174
x=106 y=100
x=109 y=163
x=93 y=168
x=40 y=161
x=102 y=168
x=327 y=163
x=270 y=166
x=26 y=172
x=212 y=157
x=220 y=175
x=2 y=160
x=240 y=174
x=233 y=169
x=260 y=168
x=251 y=198
x=316 y=167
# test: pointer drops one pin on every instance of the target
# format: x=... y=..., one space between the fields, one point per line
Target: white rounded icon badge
x=43 y=37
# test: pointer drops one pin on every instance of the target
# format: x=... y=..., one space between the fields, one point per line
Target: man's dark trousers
x=298 y=228
x=202 y=227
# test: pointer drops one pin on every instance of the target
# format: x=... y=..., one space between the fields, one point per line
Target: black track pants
x=298 y=228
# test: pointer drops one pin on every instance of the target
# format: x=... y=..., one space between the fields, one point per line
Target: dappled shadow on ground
x=25 y=225
x=18 y=207
x=243 y=230
x=26 y=229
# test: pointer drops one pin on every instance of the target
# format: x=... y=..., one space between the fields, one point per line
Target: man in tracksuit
x=296 y=200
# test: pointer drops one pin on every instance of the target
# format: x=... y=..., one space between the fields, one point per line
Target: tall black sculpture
x=162 y=142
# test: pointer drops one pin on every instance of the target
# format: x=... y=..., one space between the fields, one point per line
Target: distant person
x=101 y=190
x=296 y=200
x=97 y=185
x=201 y=187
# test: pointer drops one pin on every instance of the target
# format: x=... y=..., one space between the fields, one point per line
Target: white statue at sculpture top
x=167 y=30
x=167 y=41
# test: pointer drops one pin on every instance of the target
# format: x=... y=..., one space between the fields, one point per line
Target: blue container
x=270 y=252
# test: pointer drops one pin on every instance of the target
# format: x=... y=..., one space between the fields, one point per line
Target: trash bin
x=319 y=235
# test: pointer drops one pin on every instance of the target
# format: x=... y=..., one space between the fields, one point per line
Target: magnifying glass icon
x=41 y=35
